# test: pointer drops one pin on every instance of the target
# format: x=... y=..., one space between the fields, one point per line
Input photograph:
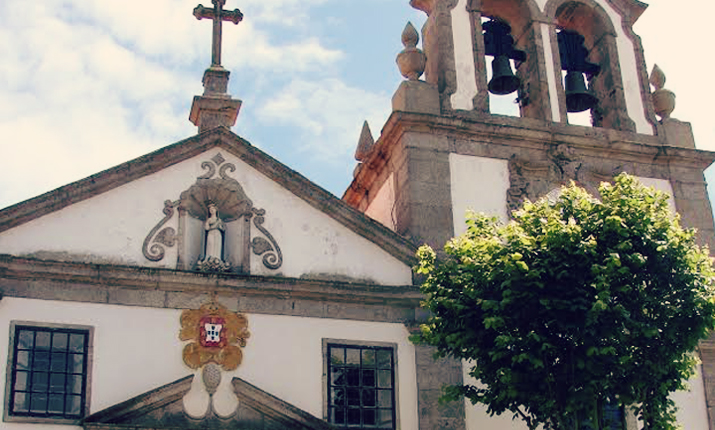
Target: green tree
x=575 y=304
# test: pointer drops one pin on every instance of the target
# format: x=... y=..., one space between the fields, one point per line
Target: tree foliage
x=575 y=303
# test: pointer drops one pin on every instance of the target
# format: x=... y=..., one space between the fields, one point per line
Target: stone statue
x=214 y=233
x=213 y=255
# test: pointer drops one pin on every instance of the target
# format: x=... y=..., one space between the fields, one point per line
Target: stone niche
x=216 y=221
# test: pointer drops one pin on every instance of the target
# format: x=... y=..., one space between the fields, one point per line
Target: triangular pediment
x=152 y=211
x=162 y=408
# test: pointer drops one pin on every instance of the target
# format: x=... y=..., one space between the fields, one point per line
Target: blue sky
x=88 y=84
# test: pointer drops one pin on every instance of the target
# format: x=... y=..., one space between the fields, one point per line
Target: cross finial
x=218 y=15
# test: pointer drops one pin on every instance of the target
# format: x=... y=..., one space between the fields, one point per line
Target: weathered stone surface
x=678 y=133
x=416 y=97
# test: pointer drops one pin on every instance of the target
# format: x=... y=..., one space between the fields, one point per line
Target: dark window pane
x=384 y=359
x=73 y=405
x=57 y=383
x=23 y=360
x=384 y=379
x=356 y=373
x=353 y=416
x=368 y=378
x=39 y=382
x=58 y=362
x=368 y=417
x=337 y=376
x=48 y=372
x=353 y=376
x=74 y=384
x=338 y=416
x=352 y=356
x=338 y=397
x=384 y=398
x=75 y=364
x=59 y=341
x=368 y=357
x=41 y=361
x=77 y=343
x=368 y=397
x=337 y=356
x=56 y=404
x=353 y=396
x=38 y=403
x=21 y=403
x=42 y=339
x=25 y=340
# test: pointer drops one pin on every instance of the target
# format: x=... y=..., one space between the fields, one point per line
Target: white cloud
x=86 y=85
x=329 y=112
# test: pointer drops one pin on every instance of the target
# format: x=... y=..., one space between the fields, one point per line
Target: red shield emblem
x=212 y=333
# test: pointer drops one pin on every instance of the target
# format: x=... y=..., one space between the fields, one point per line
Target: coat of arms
x=216 y=336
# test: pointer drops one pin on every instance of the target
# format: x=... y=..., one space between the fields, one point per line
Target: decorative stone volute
x=411 y=60
x=663 y=99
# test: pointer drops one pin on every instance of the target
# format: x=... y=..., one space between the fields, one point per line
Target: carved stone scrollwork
x=533 y=179
x=272 y=255
x=166 y=237
x=224 y=241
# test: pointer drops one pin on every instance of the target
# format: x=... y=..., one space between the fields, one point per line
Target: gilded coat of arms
x=216 y=334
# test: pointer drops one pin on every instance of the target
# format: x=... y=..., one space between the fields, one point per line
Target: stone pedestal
x=416 y=97
x=215 y=108
x=678 y=133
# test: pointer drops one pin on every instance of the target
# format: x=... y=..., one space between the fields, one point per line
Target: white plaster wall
x=476 y=416
x=478 y=184
x=550 y=73
x=111 y=227
x=137 y=350
x=381 y=207
x=463 y=58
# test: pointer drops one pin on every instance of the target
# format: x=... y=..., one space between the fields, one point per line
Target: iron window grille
x=361 y=386
x=48 y=372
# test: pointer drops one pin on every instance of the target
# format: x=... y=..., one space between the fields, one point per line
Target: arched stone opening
x=525 y=19
x=590 y=20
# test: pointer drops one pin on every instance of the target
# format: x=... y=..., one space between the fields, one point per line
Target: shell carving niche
x=215 y=219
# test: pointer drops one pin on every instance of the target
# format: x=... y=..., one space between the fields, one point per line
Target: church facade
x=207 y=285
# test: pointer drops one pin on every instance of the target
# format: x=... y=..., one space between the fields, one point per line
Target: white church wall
x=381 y=207
x=469 y=194
x=137 y=349
x=463 y=58
x=112 y=226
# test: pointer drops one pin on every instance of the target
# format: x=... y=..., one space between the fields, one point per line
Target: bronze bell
x=503 y=79
x=578 y=99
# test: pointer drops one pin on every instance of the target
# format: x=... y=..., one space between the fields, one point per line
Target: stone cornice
x=165 y=288
x=520 y=133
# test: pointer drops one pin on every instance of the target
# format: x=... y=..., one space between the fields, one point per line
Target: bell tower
x=444 y=151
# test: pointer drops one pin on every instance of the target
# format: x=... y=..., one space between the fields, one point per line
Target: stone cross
x=218 y=15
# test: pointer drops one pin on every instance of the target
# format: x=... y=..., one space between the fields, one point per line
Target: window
x=47 y=373
x=360 y=385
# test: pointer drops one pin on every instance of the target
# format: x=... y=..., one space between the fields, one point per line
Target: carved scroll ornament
x=216 y=188
x=534 y=179
x=165 y=237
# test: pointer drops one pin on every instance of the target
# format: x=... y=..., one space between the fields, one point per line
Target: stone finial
x=411 y=61
x=365 y=143
x=663 y=99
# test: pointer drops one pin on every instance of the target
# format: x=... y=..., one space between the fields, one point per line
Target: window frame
x=361 y=344
x=8 y=416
